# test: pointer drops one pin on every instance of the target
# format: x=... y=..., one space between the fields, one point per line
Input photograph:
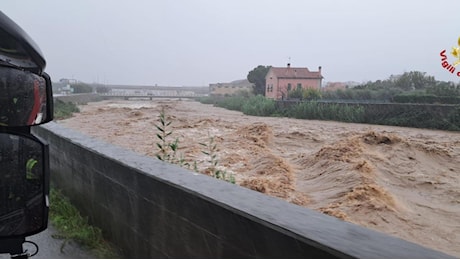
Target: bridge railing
x=156 y=93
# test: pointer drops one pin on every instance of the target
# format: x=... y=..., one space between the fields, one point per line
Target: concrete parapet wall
x=151 y=209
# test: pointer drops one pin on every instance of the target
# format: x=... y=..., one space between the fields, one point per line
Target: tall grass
x=72 y=226
x=232 y=103
x=248 y=104
x=392 y=114
x=259 y=106
x=327 y=111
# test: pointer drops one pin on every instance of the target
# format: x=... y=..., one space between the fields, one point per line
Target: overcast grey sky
x=197 y=42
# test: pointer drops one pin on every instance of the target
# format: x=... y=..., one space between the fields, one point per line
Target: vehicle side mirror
x=26 y=100
x=24 y=187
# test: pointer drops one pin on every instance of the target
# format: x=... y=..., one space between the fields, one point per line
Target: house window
x=299 y=85
x=289 y=86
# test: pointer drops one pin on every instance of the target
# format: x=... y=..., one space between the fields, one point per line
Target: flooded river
x=400 y=181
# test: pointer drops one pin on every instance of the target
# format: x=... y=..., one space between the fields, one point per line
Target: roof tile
x=290 y=72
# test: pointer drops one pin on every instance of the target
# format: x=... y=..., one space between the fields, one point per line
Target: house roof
x=241 y=82
x=291 y=72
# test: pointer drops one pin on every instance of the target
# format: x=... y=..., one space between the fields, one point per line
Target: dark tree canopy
x=257 y=77
x=102 y=89
x=414 y=80
x=81 y=88
x=413 y=86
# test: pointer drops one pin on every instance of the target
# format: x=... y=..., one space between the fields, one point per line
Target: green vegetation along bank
x=430 y=116
x=72 y=226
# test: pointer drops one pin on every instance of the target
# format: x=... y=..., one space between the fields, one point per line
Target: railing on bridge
x=152 y=94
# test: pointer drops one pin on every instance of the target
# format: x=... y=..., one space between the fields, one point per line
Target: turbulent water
x=401 y=181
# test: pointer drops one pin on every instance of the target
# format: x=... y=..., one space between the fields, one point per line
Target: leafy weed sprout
x=168 y=150
x=210 y=150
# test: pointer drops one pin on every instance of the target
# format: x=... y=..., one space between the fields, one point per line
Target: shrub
x=82 y=88
x=232 y=103
x=295 y=94
x=63 y=110
x=259 y=106
x=327 y=111
x=311 y=93
x=206 y=100
x=305 y=93
x=425 y=99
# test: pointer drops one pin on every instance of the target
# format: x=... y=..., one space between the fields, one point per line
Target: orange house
x=279 y=81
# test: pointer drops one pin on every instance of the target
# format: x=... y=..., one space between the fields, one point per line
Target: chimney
x=289 y=65
x=319 y=69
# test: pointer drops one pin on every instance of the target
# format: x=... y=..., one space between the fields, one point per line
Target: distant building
x=231 y=88
x=62 y=88
x=333 y=86
x=279 y=80
x=68 y=81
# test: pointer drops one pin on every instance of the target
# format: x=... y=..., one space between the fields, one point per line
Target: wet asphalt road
x=53 y=248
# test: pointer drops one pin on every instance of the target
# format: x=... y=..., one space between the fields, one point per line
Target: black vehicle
x=25 y=100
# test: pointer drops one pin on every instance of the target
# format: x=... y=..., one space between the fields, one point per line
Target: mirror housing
x=26 y=99
x=24 y=186
x=17 y=49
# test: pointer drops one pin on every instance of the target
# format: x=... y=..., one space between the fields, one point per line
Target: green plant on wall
x=210 y=149
x=168 y=150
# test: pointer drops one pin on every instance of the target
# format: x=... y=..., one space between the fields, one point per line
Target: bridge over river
x=151 y=94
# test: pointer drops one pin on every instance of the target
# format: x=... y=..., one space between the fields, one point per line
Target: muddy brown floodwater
x=401 y=181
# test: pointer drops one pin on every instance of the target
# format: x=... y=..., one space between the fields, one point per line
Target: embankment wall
x=152 y=209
